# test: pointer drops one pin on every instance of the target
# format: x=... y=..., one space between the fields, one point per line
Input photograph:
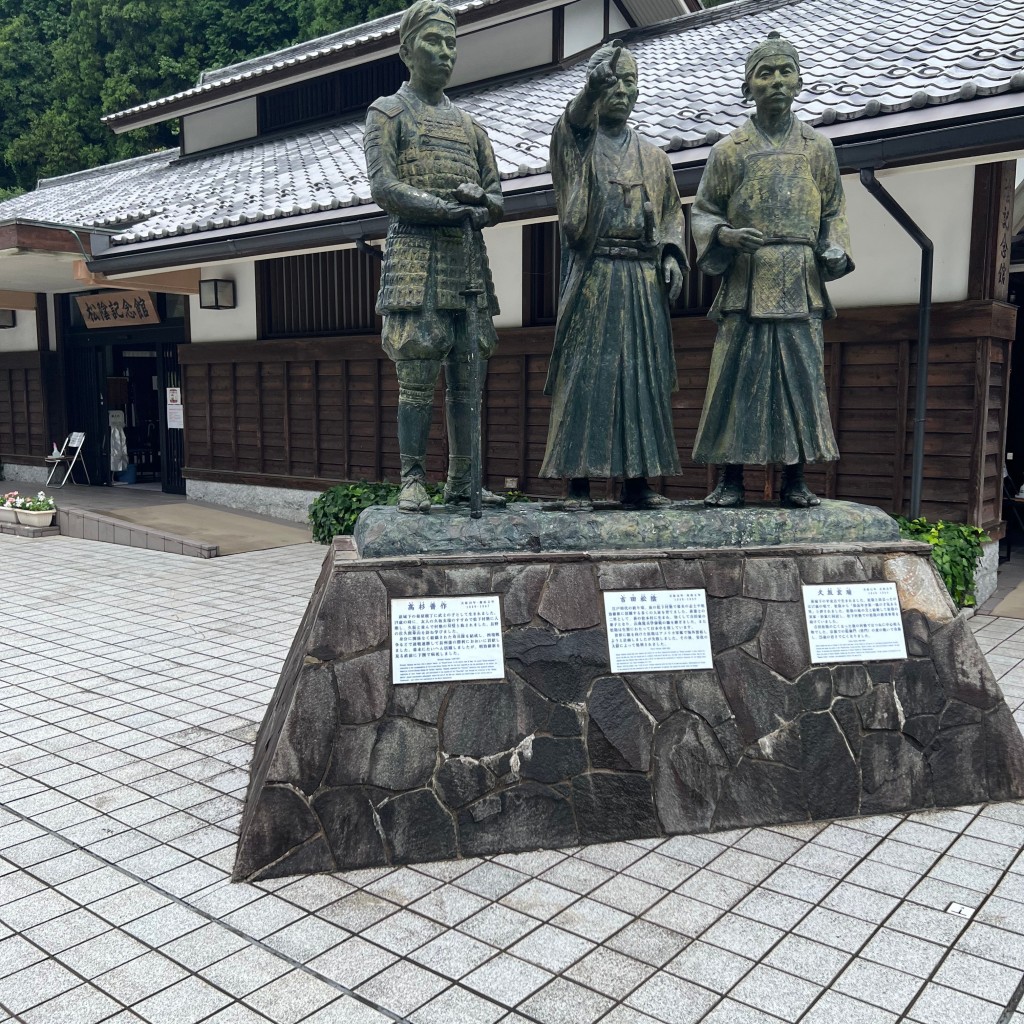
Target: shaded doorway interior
x=117 y=381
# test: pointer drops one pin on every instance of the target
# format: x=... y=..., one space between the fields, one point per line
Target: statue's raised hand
x=604 y=76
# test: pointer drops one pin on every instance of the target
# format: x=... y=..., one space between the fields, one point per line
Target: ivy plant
x=956 y=548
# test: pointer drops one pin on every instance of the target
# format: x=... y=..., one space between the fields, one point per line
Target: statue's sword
x=473 y=289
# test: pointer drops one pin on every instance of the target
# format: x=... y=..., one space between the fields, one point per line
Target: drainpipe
x=874 y=186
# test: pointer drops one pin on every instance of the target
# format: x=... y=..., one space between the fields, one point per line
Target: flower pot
x=37 y=519
x=8 y=515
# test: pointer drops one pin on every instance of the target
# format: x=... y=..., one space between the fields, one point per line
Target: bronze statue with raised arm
x=432 y=169
x=770 y=217
x=613 y=369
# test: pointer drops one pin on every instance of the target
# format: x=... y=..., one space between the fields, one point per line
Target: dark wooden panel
x=320 y=410
x=22 y=408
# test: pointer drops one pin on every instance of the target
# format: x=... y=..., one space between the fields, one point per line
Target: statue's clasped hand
x=744 y=239
x=472 y=203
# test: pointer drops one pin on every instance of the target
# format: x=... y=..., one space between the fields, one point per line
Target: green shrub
x=337 y=509
x=956 y=548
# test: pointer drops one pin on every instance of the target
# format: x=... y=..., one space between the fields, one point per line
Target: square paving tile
x=710 y=966
x=186 y=1002
x=613 y=974
x=940 y=1005
x=453 y=954
x=776 y=992
x=564 y=1002
x=552 y=948
x=403 y=987
x=507 y=979
x=879 y=985
x=672 y=1000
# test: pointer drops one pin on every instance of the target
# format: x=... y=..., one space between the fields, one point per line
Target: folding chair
x=68 y=456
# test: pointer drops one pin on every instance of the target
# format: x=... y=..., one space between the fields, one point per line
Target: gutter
x=875 y=187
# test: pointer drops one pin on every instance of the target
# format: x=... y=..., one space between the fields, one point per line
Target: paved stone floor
x=131 y=686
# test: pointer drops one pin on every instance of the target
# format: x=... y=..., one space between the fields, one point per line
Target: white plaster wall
x=219 y=126
x=23 y=336
x=505 y=255
x=238 y=324
x=888 y=261
x=616 y=22
x=584 y=26
x=503 y=49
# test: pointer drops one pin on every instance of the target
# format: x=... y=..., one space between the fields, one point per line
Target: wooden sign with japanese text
x=118 y=309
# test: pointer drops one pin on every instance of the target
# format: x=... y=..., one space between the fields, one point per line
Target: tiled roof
x=860 y=59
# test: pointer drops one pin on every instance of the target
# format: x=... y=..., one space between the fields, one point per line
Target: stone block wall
x=351 y=771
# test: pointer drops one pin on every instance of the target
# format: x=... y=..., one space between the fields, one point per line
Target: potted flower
x=8 y=509
x=37 y=511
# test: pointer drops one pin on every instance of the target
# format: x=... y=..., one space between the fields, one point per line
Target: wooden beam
x=991 y=231
x=17 y=300
x=177 y=282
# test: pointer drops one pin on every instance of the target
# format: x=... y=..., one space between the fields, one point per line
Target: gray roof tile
x=861 y=58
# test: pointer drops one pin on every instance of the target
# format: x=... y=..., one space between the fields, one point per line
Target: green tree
x=66 y=63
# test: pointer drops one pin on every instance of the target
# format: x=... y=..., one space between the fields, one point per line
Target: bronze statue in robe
x=613 y=370
x=431 y=167
x=770 y=217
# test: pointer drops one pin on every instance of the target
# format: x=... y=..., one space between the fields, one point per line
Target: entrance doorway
x=117 y=392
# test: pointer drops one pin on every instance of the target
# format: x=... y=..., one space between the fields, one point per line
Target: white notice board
x=657 y=630
x=445 y=639
x=853 y=622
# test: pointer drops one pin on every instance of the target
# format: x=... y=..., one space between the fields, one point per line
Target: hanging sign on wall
x=118 y=309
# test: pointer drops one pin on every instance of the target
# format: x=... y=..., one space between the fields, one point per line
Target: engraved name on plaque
x=853 y=622
x=445 y=639
x=657 y=630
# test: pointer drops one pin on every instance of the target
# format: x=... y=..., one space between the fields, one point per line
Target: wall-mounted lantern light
x=216 y=293
x=8 y=318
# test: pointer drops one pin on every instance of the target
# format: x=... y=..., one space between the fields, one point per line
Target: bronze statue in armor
x=431 y=168
x=770 y=217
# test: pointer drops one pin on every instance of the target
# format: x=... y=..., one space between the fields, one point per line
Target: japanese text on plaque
x=441 y=639
x=657 y=630
x=853 y=622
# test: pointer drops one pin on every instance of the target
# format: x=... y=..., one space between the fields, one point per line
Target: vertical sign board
x=175 y=410
x=446 y=639
x=657 y=630
x=853 y=622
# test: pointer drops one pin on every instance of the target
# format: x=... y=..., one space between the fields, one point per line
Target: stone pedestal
x=351 y=771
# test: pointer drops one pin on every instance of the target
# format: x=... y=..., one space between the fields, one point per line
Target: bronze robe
x=612 y=369
x=766 y=399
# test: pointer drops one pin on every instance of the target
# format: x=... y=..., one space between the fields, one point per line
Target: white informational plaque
x=657 y=630
x=853 y=622
x=444 y=639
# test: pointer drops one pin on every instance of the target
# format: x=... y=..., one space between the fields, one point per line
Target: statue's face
x=773 y=85
x=430 y=55
x=617 y=102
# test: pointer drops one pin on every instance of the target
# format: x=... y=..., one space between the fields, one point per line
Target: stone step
x=88 y=525
x=17 y=530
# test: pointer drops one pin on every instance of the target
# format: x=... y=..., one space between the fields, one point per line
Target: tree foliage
x=66 y=63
